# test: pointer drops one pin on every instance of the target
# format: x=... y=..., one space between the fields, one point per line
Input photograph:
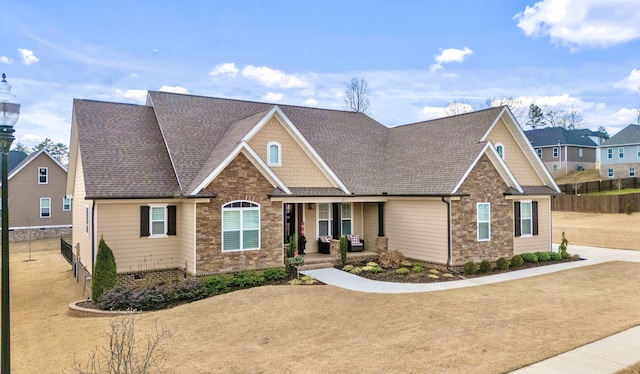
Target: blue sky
x=417 y=56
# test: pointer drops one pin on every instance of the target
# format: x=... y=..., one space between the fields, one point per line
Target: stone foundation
x=166 y=276
x=23 y=235
x=382 y=244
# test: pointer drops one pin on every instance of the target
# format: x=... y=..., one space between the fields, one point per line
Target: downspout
x=449 y=249
x=93 y=230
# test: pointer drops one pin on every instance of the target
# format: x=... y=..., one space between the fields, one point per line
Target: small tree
x=105 y=274
x=575 y=183
x=344 y=245
x=563 y=246
x=619 y=183
x=356 y=95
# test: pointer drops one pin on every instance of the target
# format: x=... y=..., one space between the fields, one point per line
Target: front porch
x=314 y=261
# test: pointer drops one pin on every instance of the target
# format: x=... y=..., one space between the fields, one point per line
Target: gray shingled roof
x=628 y=135
x=551 y=136
x=169 y=146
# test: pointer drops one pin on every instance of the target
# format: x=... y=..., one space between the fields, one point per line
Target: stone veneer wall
x=23 y=235
x=619 y=170
x=165 y=276
x=240 y=180
x=483 y=184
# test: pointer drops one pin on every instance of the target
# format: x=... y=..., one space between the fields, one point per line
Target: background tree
x=59 y=151
x=571 y=119
x=356 y=95
x=21 y=148
x=457 y=107
x=535 y=117
x=105 y=275
x=604 y=132
x=517 y=107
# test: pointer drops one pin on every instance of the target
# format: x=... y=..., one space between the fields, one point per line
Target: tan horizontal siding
x=542 y=241
x=370 y=230
x=186 y=232
x=418 y=229
x=78 y=206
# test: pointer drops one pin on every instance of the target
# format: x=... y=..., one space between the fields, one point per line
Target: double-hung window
x=609 y=152
x=45 y=207
x=240 y=226
x=632 y=172
x=86 y=220
x=43 y=175
x=324 y=219
x=555 y=152
x=484 y=221
x=346 y=219
x=610 y=173
x=500 y=150
x=580 y=152
x=526 y=218
x=638 y=151
x=539 y=151
x=621 y=152
x=157 y=220
x=66 y=204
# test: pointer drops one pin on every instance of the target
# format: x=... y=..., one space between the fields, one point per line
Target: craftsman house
x=620 y=154
x=201 y=185
x=565 y=151
x=38 y=207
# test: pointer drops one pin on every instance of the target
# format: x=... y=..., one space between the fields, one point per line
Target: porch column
x=380 y=219
x=336 y=220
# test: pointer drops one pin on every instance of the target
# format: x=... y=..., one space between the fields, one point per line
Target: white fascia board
x=497 y=162
x=255 y=160
x=302 y=141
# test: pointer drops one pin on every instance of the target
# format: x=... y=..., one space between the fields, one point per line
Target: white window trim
x=279 y=163
x=241 y=209
x=329 y=220
x=556 y=152
x=64 y=208
x=609 y=152
x=638 y=151
x=539 y=151
x=46 y=175
x=503 y=150
x=555 y=166
x=620 y=152
x=45 y=199
x=166 y=221
x=478 y=222
x=610 y=173
x=86 y=219
x=632 y=172
x=530 y=235
x=579 y=152
x=342 y=219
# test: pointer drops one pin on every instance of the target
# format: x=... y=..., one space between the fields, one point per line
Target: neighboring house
x=620 y=154
x=200 y=185
x=37 y=204
x=565 y=151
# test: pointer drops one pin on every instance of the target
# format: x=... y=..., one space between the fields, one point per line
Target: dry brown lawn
x=324 y=329
x=598 y=230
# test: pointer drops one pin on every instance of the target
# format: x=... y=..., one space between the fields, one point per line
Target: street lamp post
x=9 y=113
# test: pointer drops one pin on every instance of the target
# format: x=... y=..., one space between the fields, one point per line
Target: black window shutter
x=516 y=219
x=534 y=214
x=171 y=224
x=144 y=220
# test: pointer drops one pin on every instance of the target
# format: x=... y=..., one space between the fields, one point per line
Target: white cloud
x=155 y=50
x=132 y=95
x=272 y=96
x=228 y=69
x=311 y=102
x=28 y=58
x=431 y=112
x=273 y=77
x=174 y=89
x=134 y=75
x=450 y=55
x=584 y=23
x=631 y=82
x=6 y=60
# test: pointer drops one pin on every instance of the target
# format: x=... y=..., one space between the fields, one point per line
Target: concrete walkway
x=603 y=356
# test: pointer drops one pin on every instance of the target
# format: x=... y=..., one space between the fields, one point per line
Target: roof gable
x=553 y=136
x=629 y=135
x=35 y=155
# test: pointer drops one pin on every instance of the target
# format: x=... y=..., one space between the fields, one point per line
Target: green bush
x=187 y=290
x=529 y=257
x=417 y=268
x=502 y=264
x=105 y=274
x=124 y=298
x=347 y=267
x=402 y=271
x=274 y=274
x=376 y=269
x=517 y=261
x=563 y=247
x=555 y=256
x=470 y=268
x=116 y=299
x=543 y=256
x=628 y=209
x=248 y=279
x=344 y=246
x=217 y=284
x=486 y=267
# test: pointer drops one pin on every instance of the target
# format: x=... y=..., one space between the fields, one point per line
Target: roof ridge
x=450 y=117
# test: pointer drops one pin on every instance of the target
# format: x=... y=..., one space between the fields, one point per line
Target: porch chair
x=355 y=243
x=324 y=245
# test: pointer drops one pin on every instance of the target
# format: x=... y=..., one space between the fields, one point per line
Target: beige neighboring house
x=38 y=207
x=198 y=185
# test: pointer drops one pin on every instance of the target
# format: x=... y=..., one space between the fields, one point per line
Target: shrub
x=105 y=275
x=355 y=271
x=470 y=268
x=502 y=264
x=543 y=256
x=575 y=257
x=373 y=264
x=529 y=257
x=554 y=256
x=406 y=263
x=402 y=271
x=517 y=261
x=347 y=267
x=391 y=259
x=116 y=299
x=248 y=279
x=376 y=269
x=434 y=271
x=628 y=209
x=149 y=298
x=274 y=274
x=344 y=246
x=217 y=284
x=486 y=267
x=291 y=248
x=563 y=246
x=187 y=290
x=417 y=268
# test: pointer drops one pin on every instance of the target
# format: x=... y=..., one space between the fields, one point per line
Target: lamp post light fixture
x=9 y=113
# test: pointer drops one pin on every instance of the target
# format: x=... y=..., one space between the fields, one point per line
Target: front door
x=289 y=213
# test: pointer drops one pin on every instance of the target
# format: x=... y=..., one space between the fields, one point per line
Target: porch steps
x=316 y=266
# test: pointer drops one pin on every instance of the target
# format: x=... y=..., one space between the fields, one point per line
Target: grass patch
x=624 y=191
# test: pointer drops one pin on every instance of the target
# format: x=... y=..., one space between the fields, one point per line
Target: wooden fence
x=599 y=186
x=595 y=204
